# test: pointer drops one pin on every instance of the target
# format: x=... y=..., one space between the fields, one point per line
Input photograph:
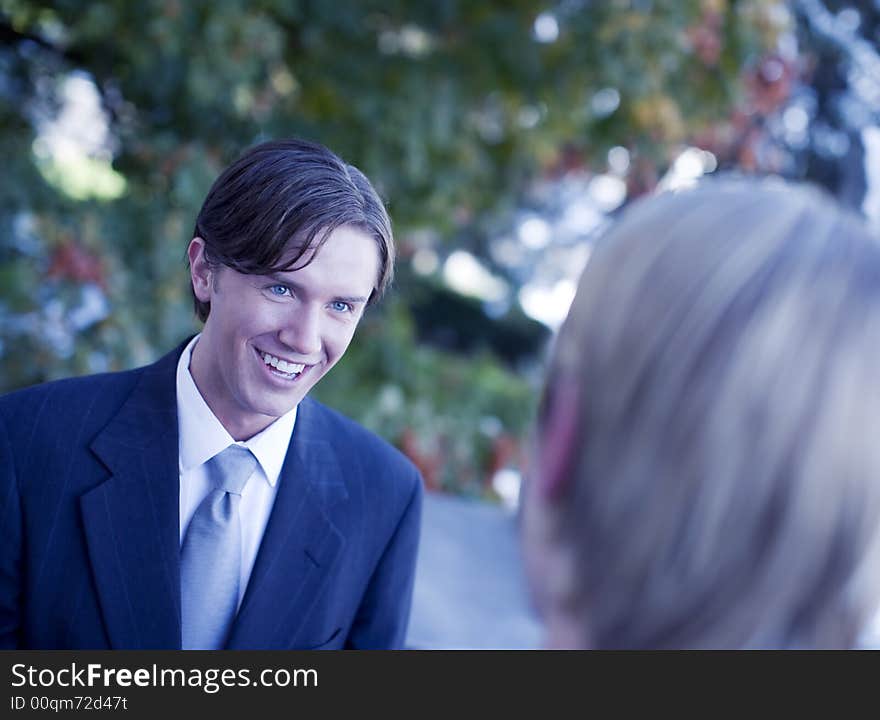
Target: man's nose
x=302 y=332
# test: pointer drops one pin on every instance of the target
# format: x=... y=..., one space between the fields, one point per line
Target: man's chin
x=274 y=410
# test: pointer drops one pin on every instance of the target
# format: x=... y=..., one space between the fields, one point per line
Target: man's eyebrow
x=279 y=278
x=351 y=299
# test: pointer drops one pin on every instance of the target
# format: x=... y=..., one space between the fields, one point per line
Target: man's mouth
x=280 y=366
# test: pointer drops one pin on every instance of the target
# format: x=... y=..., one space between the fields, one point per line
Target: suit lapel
x=301 y=541
x=131 y=520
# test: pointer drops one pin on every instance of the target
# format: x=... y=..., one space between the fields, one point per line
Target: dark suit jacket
x=89 y=514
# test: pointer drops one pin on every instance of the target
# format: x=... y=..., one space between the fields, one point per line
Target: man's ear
x=559 y=439
x=199 y=270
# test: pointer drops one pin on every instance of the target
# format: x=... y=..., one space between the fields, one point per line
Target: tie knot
x=231 y=468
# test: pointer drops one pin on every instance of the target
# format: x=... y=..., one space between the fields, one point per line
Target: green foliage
x=452 y=108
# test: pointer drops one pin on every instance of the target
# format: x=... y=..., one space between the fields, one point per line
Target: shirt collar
x=202 y=435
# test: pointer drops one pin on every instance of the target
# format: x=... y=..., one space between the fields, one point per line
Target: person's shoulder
x=83 y=385
x=371 y=450
x=61 y=403
x=97 y=390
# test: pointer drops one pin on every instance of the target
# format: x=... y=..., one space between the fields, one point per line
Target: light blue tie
x=210 y=559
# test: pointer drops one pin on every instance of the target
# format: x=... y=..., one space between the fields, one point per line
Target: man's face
x=270 y=338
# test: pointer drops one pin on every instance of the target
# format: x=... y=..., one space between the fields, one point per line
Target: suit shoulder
x=72 y=386
x=101 y=391
x=371 y=448
x=63 y=401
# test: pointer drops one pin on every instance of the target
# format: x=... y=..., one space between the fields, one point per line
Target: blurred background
x=503 y=135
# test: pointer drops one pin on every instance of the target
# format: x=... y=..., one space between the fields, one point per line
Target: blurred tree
x=806 y=107
x=838 y=95
x=452 y=108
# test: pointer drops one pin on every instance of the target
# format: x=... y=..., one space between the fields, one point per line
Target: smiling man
x=204 y=502
x=270 y=337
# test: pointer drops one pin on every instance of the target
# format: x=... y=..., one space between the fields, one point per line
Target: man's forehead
x=347 y=259
x=296 y=256
x=301 y=249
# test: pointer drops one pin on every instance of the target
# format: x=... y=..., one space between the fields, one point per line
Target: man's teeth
x=282 y=365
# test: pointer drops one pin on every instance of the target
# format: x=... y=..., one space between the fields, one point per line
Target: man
x=204 y=501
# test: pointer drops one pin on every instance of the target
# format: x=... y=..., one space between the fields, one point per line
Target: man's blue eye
x=340 y=306
x=278 y=290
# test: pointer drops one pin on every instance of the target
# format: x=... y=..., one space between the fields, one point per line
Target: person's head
x=290 y=246
x=278 y=202
x=706 y=468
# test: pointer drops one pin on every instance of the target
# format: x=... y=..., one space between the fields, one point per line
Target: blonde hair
x=724 y=491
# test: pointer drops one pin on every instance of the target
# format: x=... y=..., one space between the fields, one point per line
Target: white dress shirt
x=201 y=437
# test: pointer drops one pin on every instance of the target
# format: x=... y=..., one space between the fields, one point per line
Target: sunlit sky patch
x=468 y=276
x=73 y=148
